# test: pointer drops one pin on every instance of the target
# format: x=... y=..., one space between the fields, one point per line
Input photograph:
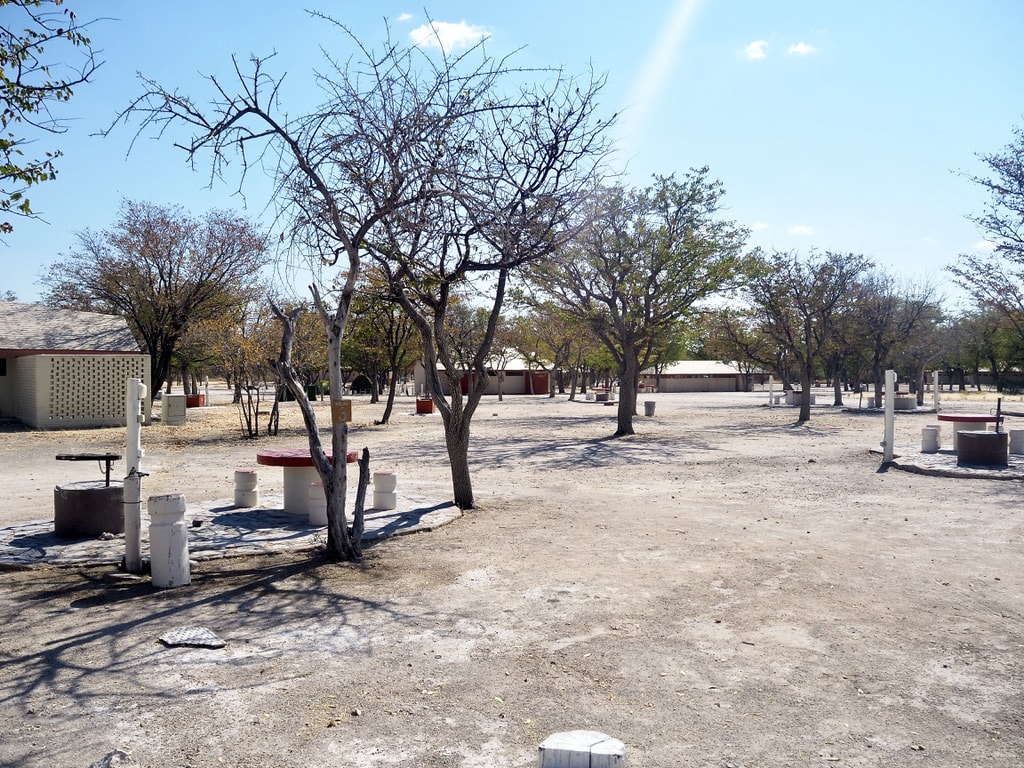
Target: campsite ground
x=726 y=588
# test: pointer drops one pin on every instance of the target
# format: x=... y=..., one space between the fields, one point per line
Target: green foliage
x=30 y=82
x=639 y=266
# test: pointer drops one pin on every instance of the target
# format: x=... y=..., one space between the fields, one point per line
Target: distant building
x=61 y=369
x=515 y=377
x=693 y=376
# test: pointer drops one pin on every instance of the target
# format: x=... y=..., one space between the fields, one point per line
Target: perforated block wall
x=74 y=391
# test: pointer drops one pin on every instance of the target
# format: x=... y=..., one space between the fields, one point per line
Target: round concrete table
x=971 y=421
x=299 y=473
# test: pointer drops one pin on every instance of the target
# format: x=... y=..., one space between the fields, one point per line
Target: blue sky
x=833 y=125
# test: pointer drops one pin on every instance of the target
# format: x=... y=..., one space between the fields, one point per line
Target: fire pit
x=980 y=448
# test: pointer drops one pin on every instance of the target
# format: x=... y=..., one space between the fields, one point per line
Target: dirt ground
x=725 y=589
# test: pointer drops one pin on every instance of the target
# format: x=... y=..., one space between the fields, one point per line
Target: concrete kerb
x=943 y=464
x=218 y=529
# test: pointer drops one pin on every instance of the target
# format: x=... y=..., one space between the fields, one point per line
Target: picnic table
x=299 y=474
x=968 y=421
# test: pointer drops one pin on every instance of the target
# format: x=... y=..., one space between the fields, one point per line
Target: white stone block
x=385 y=500
x=582 y=749
x=317 y=504
x=168 y=541
x=385 y=481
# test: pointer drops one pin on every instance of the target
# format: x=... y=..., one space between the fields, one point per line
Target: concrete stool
x=582 y=749
x=168 y=541
x=247 y=492
x=317 y=504
x=1017 y=441
x=384 y=484
x=930 y=437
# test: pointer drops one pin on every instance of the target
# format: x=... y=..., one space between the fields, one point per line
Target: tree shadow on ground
x=121 y=621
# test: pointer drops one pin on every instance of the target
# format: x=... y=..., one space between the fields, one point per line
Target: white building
x=61 y=369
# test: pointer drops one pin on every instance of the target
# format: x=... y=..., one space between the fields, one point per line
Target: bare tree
x=996 y=280
x=399 y=136
x=515 y=171
x=163 y=270
x=795 y=302
x=889 y=315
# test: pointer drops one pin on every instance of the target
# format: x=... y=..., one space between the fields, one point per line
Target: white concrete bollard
x=930 y=437
x=384 y=484
x=1017 y=441
x=168 y=541
x=247 y=491
x=582 y=749
x=385 y=480
x=317 y=504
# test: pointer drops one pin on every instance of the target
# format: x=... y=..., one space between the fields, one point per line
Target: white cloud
x=759 y=226
x=404 y=17
x=984 y=246
x=801 y=49
x=448 y=36
x=801 y=229
x=757 y=49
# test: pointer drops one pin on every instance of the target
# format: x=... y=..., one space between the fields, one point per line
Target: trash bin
x=648 y=407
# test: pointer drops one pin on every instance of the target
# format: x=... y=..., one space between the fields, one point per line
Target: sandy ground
x=726 y=588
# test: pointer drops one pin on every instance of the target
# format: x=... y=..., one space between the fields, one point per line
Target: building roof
x=35 y=329
x=696 y=368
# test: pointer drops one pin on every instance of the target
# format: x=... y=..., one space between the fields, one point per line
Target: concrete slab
x=218 y=529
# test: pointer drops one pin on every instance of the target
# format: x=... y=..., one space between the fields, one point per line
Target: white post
x=935 y=390
x=890 y=411
x=771 y=391
x=168 y=541
x=206 y=399
x=135 y=393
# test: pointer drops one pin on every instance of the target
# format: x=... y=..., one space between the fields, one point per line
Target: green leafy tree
x=32 y=82
x=735 y=334
x=638 y=266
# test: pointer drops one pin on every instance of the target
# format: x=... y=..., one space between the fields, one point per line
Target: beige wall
x=73 y=391
x=693 y=383
x=7 y=390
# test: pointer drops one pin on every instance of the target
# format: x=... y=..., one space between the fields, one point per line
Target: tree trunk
x=389 y=406
x=457 y=440
x=627 y=393
x=806 y=378
x=341 y=545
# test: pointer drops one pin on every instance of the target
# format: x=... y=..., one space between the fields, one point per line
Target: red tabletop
x=296 y=457
x=969 y=417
